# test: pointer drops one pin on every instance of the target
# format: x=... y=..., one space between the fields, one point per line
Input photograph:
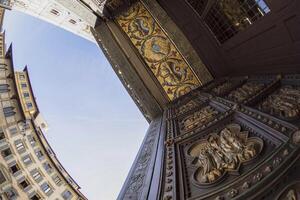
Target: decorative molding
x=162 y=57
x=138 y=181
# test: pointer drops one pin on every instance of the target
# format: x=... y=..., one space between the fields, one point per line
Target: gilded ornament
x=243 y=93
x=198 y=118
x=224 y=87
x=187 y=107
x=160 y=54
x=219 y=154
x=284 y=103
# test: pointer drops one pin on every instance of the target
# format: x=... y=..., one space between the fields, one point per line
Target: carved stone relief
x=243 y=93
x=224 y=152
x=283 y=103
x=187 y=107
x=291 y=192
x=223 y=87
x=142 y=166
x=198 y=118
x=225 y=149
x=219 y=90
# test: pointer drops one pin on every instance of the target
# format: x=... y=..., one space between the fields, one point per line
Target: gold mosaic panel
x=160 y=54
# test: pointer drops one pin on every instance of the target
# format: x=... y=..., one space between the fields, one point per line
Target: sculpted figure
x=222 y=88
x=198 y=118
x=224 y=152
x=284 y=103
x=244 y=92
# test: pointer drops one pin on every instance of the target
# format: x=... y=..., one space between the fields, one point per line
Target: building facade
x=29 y=168
x=71 y=15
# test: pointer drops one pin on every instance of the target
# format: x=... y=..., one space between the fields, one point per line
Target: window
x=31 y=140
x=54 y=12
x=26 y=95
x=35 y=197
x=226 y=18
x=23 y=85
x=3 y=67
x=57 y=180
x=13 y=130
x=72 y=21
x=2 y=135
x=14 y=168
x=36 y=175
x=24 y=184
x=20 y=145
x=2 y=177
x=39 y=154
x=11 y=194
x=22 y=76
x=47 y=167
x=27 y=160
x=29 y=105
x=4 y=88
x=6 y=152
x=198 y=5
x=9 y=111
x=46 y=188
x=66 y=195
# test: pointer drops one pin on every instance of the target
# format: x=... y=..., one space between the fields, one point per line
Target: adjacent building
x=29 y=168
x=71 y=15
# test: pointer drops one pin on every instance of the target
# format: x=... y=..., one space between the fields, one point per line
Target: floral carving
x=160 y=54
x=226 y=152
x=198 y=118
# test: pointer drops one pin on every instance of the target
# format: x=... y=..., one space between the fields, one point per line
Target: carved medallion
x=223 y=153
x=284 y=103
x=160 y=54
x=198 y=118
x=243 y=93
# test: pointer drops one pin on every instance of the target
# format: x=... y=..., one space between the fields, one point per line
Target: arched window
x=9 y=111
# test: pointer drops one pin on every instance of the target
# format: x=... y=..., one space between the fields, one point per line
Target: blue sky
x=95 y=127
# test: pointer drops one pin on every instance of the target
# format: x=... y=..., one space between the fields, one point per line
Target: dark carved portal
x=234 y=138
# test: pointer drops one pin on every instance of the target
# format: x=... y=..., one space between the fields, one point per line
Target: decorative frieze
x=224 y=147
x=157 y=50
